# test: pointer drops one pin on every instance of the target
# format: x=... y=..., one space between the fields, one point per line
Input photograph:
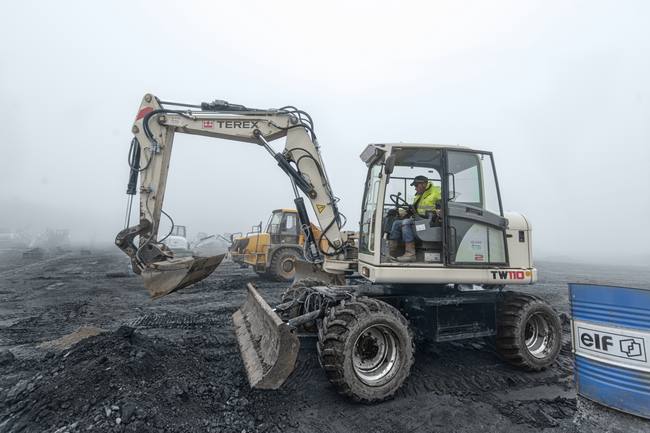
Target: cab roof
x=373 y=150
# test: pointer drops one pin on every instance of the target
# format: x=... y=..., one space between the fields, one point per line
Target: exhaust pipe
x=268 y=346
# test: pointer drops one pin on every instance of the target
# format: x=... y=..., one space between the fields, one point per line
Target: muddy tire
x=366 y=348
x=282 y=267
x=529 y=332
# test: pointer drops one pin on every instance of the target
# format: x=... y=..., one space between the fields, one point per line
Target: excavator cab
x=468 y=230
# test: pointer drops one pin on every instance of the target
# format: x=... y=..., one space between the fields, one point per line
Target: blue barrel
x=611 y=336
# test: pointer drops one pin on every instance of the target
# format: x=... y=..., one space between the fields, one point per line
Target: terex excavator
x=465 y=254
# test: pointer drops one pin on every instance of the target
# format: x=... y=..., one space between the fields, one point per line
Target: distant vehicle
x=11 y=239
x=209 y=245
x=52 y=240
x=177 y=241
x=272 y=253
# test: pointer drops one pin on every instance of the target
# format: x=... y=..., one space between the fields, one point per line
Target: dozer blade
x=162 y=278
x=268 y=346
x=310 y=272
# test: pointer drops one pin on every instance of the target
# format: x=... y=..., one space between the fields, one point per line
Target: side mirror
x=389 y=165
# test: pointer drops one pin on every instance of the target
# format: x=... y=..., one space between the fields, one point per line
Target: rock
x=118 y=420
x=125 y=331
x=17 y=389
x=128 y=410
x=565 y=319
x=6 y=357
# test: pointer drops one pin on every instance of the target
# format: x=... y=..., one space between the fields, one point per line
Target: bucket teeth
x=268 y=346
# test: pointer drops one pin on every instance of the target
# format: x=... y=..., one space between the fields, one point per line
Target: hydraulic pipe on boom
x=154 y=129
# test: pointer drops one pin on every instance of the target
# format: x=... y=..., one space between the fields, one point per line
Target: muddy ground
x=173 y=365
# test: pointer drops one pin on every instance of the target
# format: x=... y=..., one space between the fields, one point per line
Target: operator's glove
x=402 y=212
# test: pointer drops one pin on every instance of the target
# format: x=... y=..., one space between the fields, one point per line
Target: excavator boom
x=267 y=344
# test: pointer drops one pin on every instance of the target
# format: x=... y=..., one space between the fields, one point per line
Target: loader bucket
x=162 y=278
x=268 y=346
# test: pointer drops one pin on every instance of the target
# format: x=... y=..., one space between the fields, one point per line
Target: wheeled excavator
x=466 y=253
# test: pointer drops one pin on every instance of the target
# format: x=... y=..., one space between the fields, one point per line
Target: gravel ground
x=172 y=365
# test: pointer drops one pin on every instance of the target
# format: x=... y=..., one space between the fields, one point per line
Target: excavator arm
x=154 y=129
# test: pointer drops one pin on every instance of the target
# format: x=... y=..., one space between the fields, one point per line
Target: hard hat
x=420 y=179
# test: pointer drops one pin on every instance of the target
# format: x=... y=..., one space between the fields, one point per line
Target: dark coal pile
x=179 y=369
x=126 y=381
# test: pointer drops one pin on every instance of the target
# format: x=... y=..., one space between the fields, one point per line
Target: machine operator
x=426 y=200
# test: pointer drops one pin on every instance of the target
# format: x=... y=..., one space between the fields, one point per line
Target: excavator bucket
x=162 y=278
x=268 y=346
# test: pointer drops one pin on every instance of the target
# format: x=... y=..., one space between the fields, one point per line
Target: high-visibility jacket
x=427 y=200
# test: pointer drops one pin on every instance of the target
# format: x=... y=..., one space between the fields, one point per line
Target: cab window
x=289 y=225
x=366 y=238
x=274 y=223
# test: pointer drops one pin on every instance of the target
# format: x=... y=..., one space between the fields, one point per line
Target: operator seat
x=428 y=238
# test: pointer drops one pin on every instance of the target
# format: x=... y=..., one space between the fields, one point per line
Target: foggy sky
x=559 y=91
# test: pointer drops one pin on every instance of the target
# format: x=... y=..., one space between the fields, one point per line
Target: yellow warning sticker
x=320 y=208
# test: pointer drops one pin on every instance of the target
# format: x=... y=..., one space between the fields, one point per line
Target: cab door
x=289 y=230
x=475 y=229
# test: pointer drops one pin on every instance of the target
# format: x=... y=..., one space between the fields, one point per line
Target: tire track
x=176 y=320
x=462 y=370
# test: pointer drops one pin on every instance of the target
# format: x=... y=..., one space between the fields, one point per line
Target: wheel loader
x=465 y=253
x=273 y=253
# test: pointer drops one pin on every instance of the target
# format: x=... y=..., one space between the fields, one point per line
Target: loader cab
x=283 y=227
x=471 y=229
x=179 y=231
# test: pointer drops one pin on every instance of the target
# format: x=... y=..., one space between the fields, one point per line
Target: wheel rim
x=287 y=265
x=538 y=335
x=286 y=268
x=375 y=358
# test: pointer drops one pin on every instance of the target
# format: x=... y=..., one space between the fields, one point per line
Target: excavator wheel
x=283 y=264
x=529 y=332
x=366 y=348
